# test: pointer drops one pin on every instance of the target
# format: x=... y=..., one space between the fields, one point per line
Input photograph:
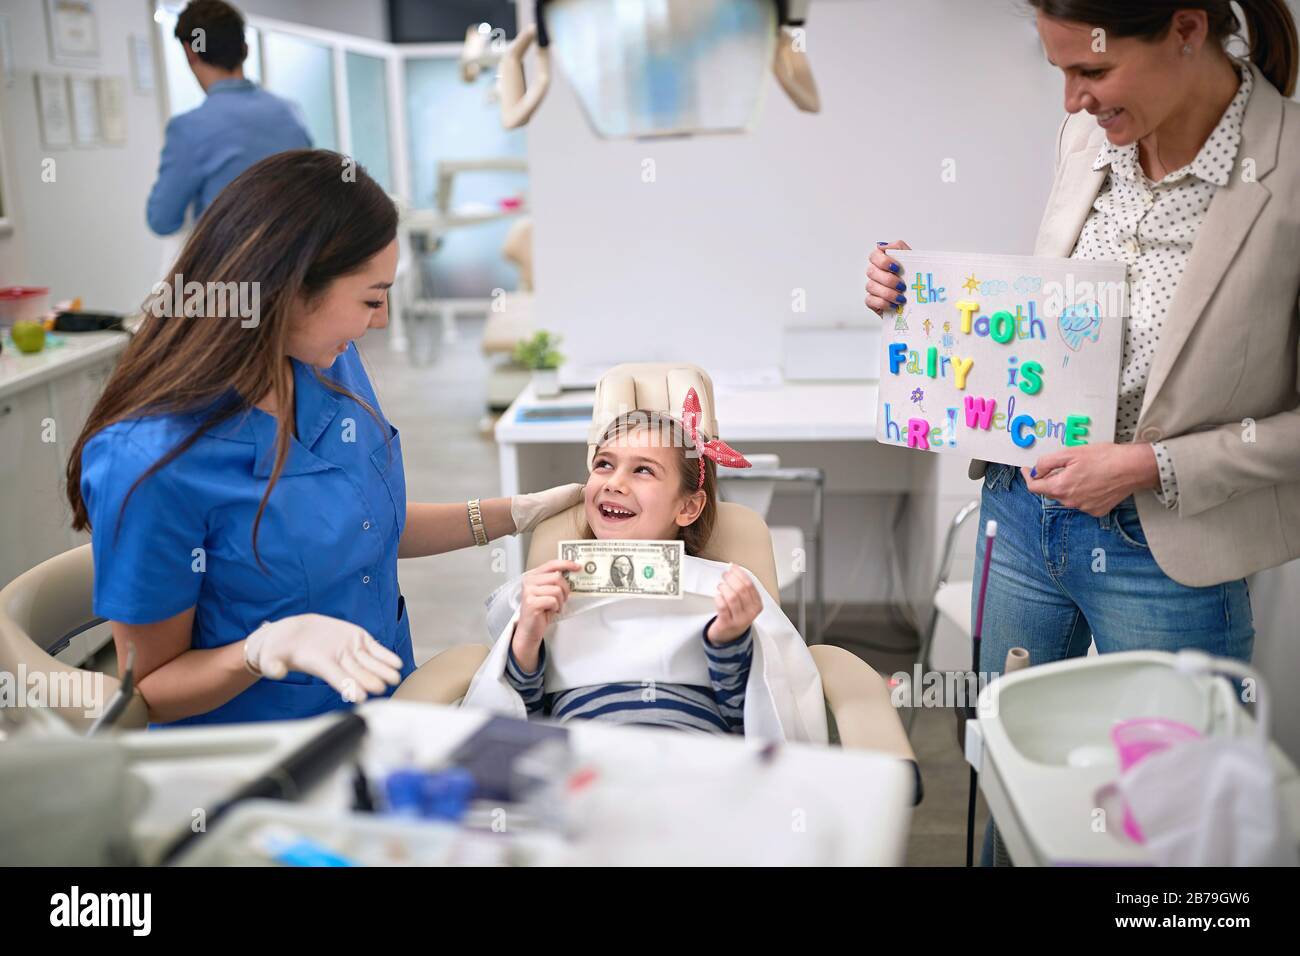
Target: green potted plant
x=539 y=354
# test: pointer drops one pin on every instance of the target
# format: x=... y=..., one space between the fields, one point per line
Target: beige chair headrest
x=651 y=386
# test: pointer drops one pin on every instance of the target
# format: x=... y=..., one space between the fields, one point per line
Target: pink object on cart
x=1137 y=739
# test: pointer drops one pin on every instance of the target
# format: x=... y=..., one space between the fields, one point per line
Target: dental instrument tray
x=493 y=752
x=255 y=833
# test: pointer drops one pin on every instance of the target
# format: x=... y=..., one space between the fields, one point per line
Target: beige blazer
x=1223 y=392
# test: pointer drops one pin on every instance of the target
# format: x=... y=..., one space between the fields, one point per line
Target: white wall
x=704 y=260
x=733 y=224
x=85 y=233
x=364 y=18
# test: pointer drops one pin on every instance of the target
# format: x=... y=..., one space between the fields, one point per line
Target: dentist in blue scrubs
x=244 y=492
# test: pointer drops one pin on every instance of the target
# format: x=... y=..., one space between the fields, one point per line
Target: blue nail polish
x=881 y=243
x=899 y=299
x=1033 y=472
x=893 y=267
x=901 y=287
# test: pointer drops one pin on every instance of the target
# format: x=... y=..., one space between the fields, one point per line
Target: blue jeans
x=1060 y=577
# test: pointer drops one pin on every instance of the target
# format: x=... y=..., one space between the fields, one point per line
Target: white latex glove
x=531 y=510
x=342 y=654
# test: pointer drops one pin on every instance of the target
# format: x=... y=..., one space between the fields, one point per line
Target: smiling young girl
x=650 y=480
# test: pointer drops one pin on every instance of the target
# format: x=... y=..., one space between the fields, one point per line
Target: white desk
x=820 y=803
x=839 y=419
x=789 y=412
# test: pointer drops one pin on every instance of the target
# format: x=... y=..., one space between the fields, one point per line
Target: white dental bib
x=620 y=639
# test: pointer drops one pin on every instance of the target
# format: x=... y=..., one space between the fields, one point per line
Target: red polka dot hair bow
x=717 y=449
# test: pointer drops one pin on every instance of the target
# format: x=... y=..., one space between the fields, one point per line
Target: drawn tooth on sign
x=1077 y=324
x=900 y=322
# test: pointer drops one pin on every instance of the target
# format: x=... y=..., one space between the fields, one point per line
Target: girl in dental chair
x=723 y=660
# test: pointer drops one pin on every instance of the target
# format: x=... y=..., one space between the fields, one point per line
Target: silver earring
x=1187 y=49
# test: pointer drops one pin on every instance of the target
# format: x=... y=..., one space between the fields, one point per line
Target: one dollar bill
x=637 y=568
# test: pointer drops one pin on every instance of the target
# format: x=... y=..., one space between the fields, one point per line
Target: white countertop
x=79 y=349
x=844 y=806
x=791 y=411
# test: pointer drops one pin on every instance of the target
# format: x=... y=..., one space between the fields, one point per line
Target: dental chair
x=857 y=698
x=43 y=612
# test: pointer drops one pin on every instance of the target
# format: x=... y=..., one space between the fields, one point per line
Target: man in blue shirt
x=236 y=126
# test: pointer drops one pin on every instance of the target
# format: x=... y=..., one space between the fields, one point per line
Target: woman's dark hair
x=286 y=227
x=221 y=29
x=1270 y=28
x=673 y=435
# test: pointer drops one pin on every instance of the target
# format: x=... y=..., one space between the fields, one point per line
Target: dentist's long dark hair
x=1270 y=28
x=292 y=223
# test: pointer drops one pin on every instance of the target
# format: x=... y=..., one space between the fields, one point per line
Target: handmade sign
x=1003 y=358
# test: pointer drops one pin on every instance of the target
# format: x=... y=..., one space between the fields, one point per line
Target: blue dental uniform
x=327 y=540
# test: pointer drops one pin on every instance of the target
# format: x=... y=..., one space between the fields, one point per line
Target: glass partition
x=448 y=119
x=368 y=115
x=303 y=71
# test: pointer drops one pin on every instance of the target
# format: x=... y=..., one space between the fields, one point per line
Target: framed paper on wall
x=74 y=33
x=55 y=111
x=83 y=95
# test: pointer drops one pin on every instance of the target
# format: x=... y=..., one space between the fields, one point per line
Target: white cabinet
x=44 y=401
x=72 y=396
x=31 y=513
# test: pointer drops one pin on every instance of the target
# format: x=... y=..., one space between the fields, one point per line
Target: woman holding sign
x=1183 y=163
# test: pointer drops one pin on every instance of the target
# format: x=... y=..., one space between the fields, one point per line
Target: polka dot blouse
x=1150 y=227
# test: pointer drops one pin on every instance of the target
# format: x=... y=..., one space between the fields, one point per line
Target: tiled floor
x=438 y=408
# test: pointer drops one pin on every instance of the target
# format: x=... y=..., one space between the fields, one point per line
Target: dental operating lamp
x=649 y=68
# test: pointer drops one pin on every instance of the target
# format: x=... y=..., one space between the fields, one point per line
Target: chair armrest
x=443 y=678
x=858 y=699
